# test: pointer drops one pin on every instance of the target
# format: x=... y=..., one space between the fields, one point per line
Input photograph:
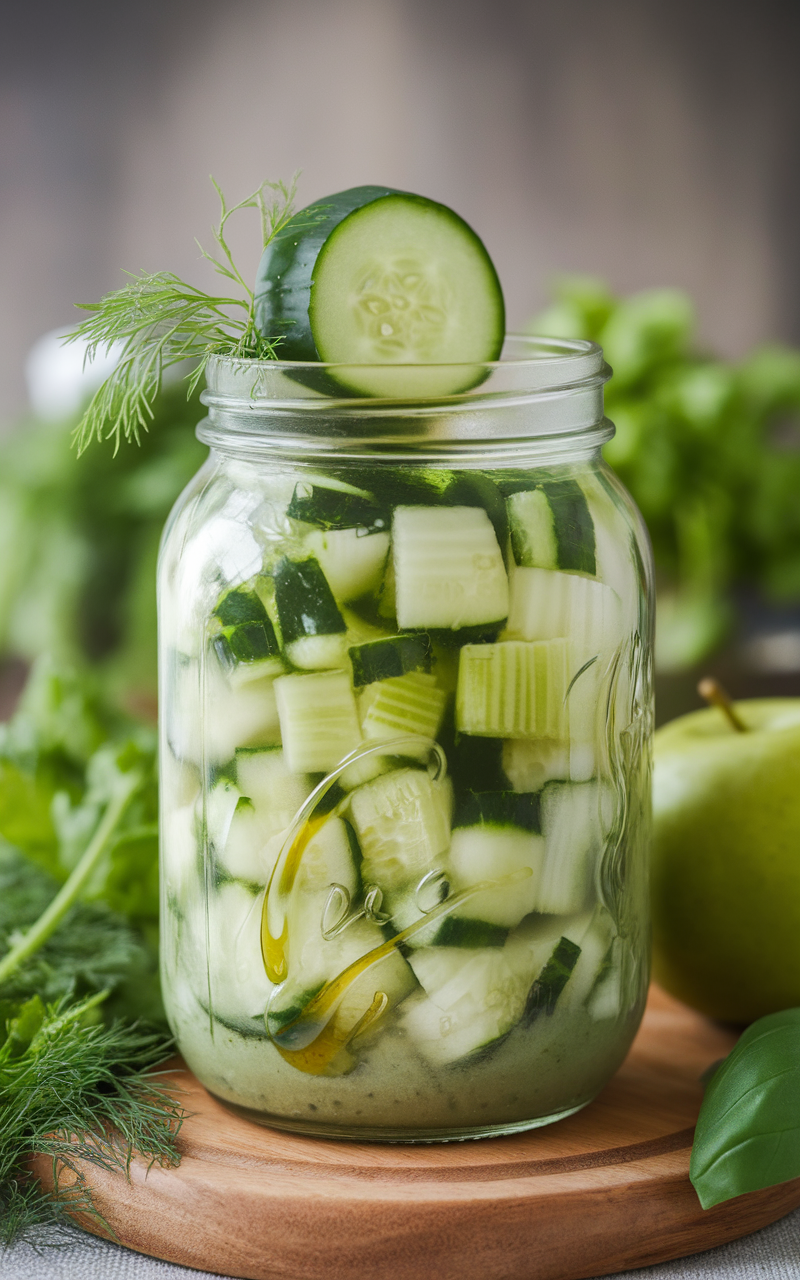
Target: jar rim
x=540 y=387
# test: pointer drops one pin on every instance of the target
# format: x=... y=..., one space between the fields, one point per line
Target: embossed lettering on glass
x=406 y=721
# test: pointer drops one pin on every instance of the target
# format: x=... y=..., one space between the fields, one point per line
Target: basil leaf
x=748 y=1130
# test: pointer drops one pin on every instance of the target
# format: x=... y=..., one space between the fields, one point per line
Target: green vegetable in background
x=710 y=451
x=79 y=540
x=79 y=801
x=748 y=1131
x=78 y=948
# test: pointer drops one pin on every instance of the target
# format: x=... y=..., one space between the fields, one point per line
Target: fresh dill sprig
x=75 y=1092
x=158 y=320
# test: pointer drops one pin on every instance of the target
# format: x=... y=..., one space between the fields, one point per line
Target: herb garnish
x=159 y=320
x=77 y=810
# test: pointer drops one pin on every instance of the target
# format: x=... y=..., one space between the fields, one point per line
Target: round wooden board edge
x=264 y=1229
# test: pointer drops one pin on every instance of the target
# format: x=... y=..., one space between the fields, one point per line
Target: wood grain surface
x=605 y=1190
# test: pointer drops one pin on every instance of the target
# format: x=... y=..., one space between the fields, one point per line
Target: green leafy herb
x=710 y=450
x=93 y=948
x=74 y=1090
x=159 y=320
x=78 y=940
x=748 y=1131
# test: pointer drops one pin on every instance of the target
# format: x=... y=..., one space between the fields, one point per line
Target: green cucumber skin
x=462 y=931
x=335 y=509
x=573 y=525
x=478 y=764
x=249 y=642
x=544 y=993
x=286 y=271
x=498 y=809
x=304 y=601
x=572 y=522
x=240 y=605
x=394 y=656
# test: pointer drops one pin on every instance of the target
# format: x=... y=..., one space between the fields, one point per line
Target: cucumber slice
x=473 y=998
x=552 y=527
x=318 y=719
x=409 y=704
x=449 y=570
x=351 y=559
x=247 y=642
x=531 y=762
x=337 y=508
x=574 y=826
x=545 y=604
x=402 y=820
x=489 y=853
x=392 y=656
x=513 y=689
x=376 y=277
x=307 y=612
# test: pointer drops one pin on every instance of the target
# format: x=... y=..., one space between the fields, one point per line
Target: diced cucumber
x=484 y=853
x=221 y=802
x=552 y=527
x=252 y=845
x=387 y=596
x=477 y=763
x=239 y=605
x=318 y=718
x=449 y=570
x=328 y=863
x=498 y=809
x=606 y=998
x=312 y=628
x=543 y=995
x=337 y=508
x=246 y=645
x=594 y=944
x=181 y=860
x=472 y=999
x=237 y=983
x=292 y=1019
x=352 y=560
x=318 y=653
x=531 y=762
x=372 y=277
x=409 y=704
x=392 y=656
x=265 y=778
x=402 y=820
x=513 y=689
x=246 y=716
x=546 y=604
x=574 y=828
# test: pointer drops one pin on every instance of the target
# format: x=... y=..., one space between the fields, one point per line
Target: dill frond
x=76 y=1092
x=157 y=320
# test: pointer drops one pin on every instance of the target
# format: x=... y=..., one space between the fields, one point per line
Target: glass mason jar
x=406 y=718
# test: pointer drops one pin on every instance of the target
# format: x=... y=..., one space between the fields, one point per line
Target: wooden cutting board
x=603 y=1191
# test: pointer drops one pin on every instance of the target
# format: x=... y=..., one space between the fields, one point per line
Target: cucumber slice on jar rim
x=378 y=277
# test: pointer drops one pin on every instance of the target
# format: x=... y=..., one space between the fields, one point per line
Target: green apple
x=726 y=859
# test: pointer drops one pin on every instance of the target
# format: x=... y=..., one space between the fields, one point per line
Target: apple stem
x=716 y=696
